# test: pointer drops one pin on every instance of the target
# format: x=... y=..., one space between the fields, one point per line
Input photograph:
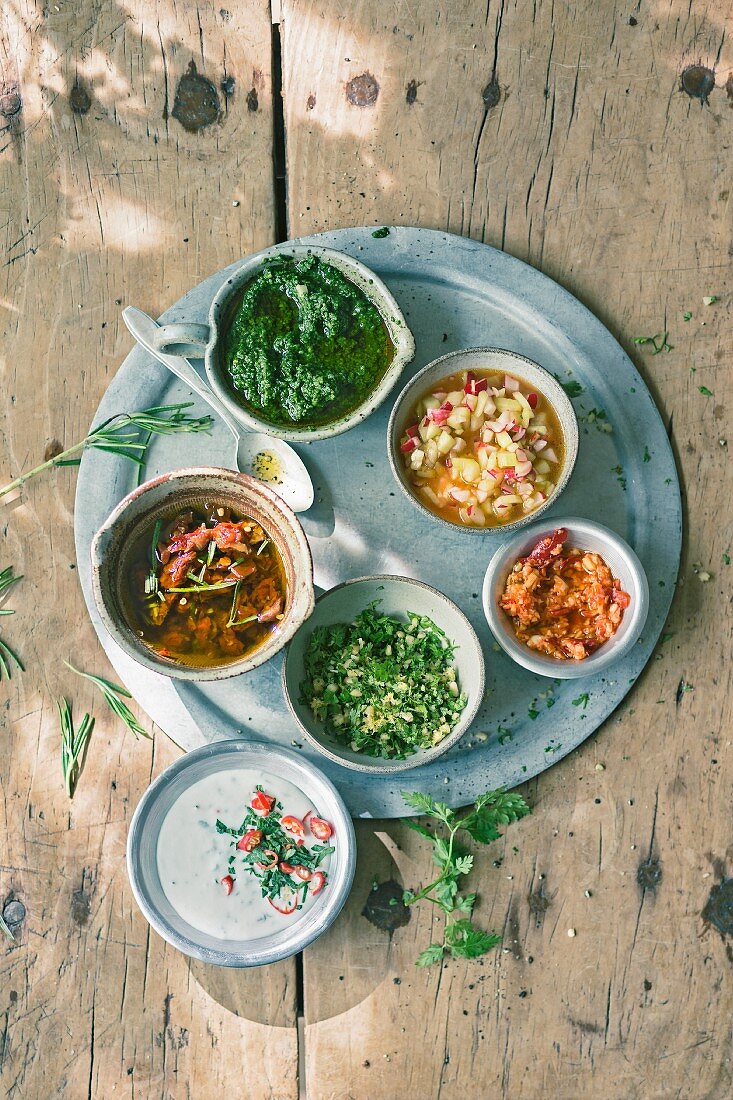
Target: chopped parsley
x=582 y=700
x=705 y=391
x=505 y=735
x=572 y=388
x=379 y=233
x=382 y=686
x=687 y=315
x=647 y=456
x=659 y=342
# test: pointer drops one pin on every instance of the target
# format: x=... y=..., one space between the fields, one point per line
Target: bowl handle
x=181 y=338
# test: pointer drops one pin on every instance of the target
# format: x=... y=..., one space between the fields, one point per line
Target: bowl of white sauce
x=241 y=854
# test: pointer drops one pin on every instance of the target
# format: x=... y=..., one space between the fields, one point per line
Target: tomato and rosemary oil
x=205 y=586
x=271 y=846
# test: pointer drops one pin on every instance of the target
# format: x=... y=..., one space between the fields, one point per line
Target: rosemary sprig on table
x=112 y=694
x=8 y=656
x=461 y=938
x=126 y=434
x=73 y=745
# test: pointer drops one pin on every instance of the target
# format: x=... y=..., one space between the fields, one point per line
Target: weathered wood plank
x=108 y=200
x=562 y=134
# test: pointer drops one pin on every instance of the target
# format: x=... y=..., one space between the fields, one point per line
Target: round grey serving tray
x=455 y=293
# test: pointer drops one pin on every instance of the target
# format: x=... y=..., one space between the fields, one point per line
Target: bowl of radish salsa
x=483 y=439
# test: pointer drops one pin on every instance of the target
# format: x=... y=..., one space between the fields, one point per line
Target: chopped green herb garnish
x=705 y=391
x=582 y=700
x=572 y=388
x=382 y=686
x=647 y=456
x=532 y=713
x=505 y=735
x=659 y=342
x=687 y=315
x=461 y=938
x=726 y=558
x=379 y=233
x=710 y=299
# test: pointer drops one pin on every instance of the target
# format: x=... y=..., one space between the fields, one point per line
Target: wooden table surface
x=146 y=145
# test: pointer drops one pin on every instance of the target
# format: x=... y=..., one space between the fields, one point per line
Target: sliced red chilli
x=271 y=862
x=548 y=547
x=262 y=803
x=228 y=884
x=317 y=883
x=322 y=830
x=251 y=840
x=285 y=903
x=303 y=873
x=292 y=825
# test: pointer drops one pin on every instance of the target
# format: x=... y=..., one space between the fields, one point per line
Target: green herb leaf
x=582 y=700
x=112 y=693
x=705 y=391
x=74 y=743
x=5 y=930
x=430 y=955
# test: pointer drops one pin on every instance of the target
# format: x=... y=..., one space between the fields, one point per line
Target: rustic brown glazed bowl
x=113 y=546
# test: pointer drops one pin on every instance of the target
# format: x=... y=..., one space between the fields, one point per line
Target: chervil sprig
x=461 y=938
x=127 y=434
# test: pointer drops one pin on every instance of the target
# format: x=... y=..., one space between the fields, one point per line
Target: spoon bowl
x=258 y=455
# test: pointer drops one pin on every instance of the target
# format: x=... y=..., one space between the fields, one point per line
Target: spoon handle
x=141 y=327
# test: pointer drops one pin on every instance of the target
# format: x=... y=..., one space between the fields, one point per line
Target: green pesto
x=306 y=345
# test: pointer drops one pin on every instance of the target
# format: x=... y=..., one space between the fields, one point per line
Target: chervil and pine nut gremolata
x=242 y=853
x=483 y=449
x=563 y=601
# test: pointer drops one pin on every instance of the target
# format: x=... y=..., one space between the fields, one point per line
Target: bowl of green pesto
x=302 y=343
x=387 y=675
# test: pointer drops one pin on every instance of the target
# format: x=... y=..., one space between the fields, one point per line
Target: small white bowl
x=397 y=596
x=482 y=359
x=142 y=844
x=621 y=560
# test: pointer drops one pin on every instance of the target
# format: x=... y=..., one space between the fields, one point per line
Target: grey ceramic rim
x=453 y=292
x=551 y=388
x=280 y=945
x=615 y=649
x=369 y=283
x=378 y=766
x=129 y=514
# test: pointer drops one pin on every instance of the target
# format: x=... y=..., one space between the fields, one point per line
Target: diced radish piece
x=470 y=401
x=432 y=432
x=525 y=490
x=540 y=445
x=412 y=431
x=519 y=433
x=416 y=459
x=430 y=495
x=460 y=495
x=510 y=384
x=532 y=400
x=550 y=455
x=444 y=442
x=520 y=454
x=502 y=507
x=458 y=446
x=455 y=397
x=432 y=402
x=500 y=423
x=408 y=445
x=523 y=468
x=481 y=496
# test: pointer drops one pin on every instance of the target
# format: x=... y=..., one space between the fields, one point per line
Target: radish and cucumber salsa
x=305 y=345
x=482 y=449
x=383 y=686
x=241 y=853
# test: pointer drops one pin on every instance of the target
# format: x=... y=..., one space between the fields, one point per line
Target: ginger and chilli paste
x=305 y=345
x=563 y=601
x=240 y=854
x=382 y=686
x=482 y=450
x=207 y=587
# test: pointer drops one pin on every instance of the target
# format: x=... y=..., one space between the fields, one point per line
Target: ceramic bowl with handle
x=479 y=361
x=588 y=536
x=397 y=596
x=114 y=545
x=197 y=340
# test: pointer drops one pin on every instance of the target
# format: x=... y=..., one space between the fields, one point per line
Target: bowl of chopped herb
x=302 y=342
x=388 y=675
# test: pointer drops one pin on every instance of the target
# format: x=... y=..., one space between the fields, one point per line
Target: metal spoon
x=261 y=456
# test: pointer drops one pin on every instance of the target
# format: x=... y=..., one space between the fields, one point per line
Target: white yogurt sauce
x=192 y=857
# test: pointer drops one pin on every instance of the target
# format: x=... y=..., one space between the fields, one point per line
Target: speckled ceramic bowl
x=482 y=359
x=397 y=596
x=621 y=560
x=114 y=543
x=142 y=842
x=192 y=340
